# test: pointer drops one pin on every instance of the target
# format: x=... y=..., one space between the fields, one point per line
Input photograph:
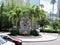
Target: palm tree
x=42 y=20
x=13 y=17
x=53 y=2
x=38 y=14
x=31 y=15
x=41 y=5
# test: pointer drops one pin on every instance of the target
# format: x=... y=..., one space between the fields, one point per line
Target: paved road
x=55 y=42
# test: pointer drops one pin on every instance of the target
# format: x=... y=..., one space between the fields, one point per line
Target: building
x=7 y=2
x=58 y=5
x=53 y=16
x=21 y=2
x=18 y=2
x=33 y=2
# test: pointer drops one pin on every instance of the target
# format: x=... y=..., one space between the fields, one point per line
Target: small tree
x=56 y=24
x=43 y=22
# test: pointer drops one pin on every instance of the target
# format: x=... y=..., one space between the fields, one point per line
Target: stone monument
x=25 y=26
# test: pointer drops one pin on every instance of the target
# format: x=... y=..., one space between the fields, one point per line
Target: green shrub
x=14 y=31
x=34 y=33
x=58 y=31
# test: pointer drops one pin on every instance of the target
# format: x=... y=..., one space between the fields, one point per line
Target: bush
x=56 y=24
x=49 y=31
x=14 y=31
x=34 y=33
x=57 y=31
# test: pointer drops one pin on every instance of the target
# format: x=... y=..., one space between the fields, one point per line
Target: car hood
x=17 y=39
x=9 y=43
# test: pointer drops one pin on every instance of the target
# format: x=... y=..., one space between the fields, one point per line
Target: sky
x=48 y=5
x=33 y=2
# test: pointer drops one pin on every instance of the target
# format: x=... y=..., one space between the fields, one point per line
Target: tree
x=43 y=22
x=42 y=6
x=1 y=10
x=42 y=14
x=37 y=12
x=53 y=2
x=56 y=24
x=4 y=17
x=5 y=23
x=13 y=17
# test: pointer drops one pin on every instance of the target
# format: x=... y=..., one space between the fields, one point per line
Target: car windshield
x=2 y=41
x=10 y=37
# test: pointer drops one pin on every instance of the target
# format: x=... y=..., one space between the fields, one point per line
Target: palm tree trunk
x=52 y=16
x=43 y=28
x=53 y=8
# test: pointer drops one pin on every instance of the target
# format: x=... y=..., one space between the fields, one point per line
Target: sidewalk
x=42 y=38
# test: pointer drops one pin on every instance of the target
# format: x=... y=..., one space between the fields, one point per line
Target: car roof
x=4 y=33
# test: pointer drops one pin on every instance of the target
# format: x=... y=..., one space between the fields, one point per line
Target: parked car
x=17 y=41
x=4 y=42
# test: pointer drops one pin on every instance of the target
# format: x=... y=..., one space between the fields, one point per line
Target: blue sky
x=32 y=2
x=48 y=5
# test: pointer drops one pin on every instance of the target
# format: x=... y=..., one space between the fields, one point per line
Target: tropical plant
x=19 y=13
x=53 y=2
x=34 y=33
x=4 y=22
x=14 y=31
x=1 y=10
x=11 y=14
x=43 y=22
x=56 y=24
x=13 y=17
x=42 y=6
x=37 y=12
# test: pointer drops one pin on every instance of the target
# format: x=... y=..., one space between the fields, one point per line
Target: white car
x=4 y=42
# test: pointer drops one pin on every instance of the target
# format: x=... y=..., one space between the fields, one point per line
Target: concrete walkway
x=54 y=42
x=42 y=38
